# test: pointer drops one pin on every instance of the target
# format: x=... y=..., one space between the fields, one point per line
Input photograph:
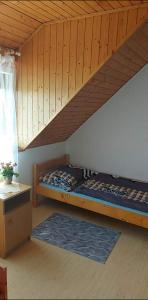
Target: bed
x=134 y=213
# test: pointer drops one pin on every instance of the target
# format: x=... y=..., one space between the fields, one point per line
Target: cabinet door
x=18 y=226
x=2 y=244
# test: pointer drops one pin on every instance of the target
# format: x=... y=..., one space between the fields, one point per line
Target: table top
x=11 y=190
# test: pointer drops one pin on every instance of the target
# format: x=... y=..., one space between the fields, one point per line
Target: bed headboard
x=39 y=169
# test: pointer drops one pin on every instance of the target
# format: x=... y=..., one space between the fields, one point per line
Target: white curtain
x=8 y=130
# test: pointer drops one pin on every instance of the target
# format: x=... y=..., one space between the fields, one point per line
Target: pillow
x=63 y=177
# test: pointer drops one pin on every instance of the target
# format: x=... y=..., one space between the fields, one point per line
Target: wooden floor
x=41 y=271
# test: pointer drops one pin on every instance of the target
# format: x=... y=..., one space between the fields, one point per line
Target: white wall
x=29 y=157
x=115 y=138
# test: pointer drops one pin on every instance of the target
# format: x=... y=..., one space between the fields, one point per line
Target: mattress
x=94 y=199
x=120 y=191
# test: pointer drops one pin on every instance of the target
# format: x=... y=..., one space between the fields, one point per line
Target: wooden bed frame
x=132 y=217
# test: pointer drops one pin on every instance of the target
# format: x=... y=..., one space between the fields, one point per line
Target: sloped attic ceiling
x=63 y=43
x=19 y=19
x=122 y=66
x=56 y=65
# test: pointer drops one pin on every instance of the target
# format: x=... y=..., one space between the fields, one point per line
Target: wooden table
x=15 y=216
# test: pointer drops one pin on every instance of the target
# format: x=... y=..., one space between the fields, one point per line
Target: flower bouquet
x=7 y=171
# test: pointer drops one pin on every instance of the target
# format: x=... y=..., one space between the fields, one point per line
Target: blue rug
x=81 y=237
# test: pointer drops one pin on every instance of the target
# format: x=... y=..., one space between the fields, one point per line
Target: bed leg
x=35 y=201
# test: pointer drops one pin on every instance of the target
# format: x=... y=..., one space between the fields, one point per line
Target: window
x=8 y=132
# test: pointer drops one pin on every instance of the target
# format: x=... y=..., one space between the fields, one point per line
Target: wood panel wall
x=59 y=60
x=114 y=73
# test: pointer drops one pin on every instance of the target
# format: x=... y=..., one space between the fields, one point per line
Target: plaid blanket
x=116 y=190
x=67 y=177
x=64 y=177
x=60 y=179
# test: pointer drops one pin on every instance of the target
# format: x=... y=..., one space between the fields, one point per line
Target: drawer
x=18 y=226
x=11 y=203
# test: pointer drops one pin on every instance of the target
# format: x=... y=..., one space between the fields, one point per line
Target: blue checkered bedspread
x=121 y=191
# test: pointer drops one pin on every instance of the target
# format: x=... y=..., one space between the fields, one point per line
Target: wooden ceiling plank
x=100 y=92
x=85 y=6
x=121 y=65
x=19 y=6
x=72 y=57
x=59 y=64
x=138 y=50
x=94 y=5
x=90 y=100
x=109 y=70
x=119 y=57
x=104 y=4
x=80 y=46
x=115 y=4
x=8 y=43
x=67 y=7
x=87 y=48
x=44 y=9
x=66 y=59
x=127 y=69
x=54 y=10
x=132 y=20
x=95 y=42
x=145 y=30
x=13 y=31
x=43 y=5
x=109 y=78
x=142 y=13
x=103 y=12
x=136 y=2
x=9 y=9
x=12 y=22
x=125 y=3
x=104 y=39
x=57 y=5
x=138 y=42
x=93 y=89
x=130 y=53
x=122 y=26
x=8 y=34
x=113 y=22
x=75 y=7
x=105 y=85
x=35 y=10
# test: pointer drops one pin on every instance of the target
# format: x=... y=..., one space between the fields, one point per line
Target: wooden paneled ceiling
x=19 y=19
x=121 y=67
